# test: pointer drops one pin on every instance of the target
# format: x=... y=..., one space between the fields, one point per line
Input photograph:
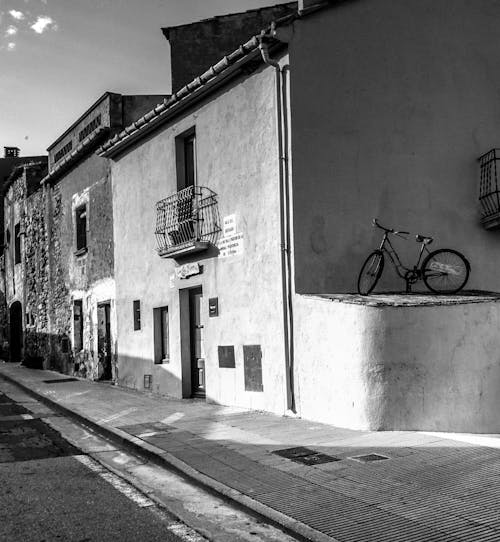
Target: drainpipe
x=286 y=275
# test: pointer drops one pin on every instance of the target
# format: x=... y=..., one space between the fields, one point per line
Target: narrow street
x=51 y=491
x=59 y=481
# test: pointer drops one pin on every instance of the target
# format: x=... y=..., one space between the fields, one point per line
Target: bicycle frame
x=408 y=274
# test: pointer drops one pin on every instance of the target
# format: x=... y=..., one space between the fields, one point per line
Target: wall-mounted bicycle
x=444 y=271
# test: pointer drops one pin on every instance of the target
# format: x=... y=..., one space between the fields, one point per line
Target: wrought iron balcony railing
x=187 y=221
x=489 y=189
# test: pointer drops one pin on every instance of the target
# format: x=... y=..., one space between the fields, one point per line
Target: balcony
x=489 y=189
x=187 y=222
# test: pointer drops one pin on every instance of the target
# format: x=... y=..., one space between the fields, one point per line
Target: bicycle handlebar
x=388 y=230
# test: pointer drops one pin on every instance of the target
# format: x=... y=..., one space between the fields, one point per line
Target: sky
x=58 y=56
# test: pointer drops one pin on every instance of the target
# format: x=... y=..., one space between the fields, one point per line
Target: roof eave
x=72 y=159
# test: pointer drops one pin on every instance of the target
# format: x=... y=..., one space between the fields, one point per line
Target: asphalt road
x=51 y=491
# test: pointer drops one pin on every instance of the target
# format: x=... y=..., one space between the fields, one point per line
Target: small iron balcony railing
x=489 y=188
x=187 y=221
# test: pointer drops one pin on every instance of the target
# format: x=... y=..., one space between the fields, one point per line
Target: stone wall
x=80 y=275
x=36 y=280
x=26 y=282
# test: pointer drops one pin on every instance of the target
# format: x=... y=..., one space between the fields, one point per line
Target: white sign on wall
x=231 y=246
x=229 y=225
x=231 y=243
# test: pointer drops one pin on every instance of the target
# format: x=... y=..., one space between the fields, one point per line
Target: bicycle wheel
x=445 y=271
x=370 y=272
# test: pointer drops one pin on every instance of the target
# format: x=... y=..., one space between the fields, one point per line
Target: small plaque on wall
x=226 y=357
x=252 y=362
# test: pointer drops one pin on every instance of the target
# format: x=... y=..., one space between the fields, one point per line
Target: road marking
x=119 y=484
x=125 y=488
x=185 y=533
x=16 y=417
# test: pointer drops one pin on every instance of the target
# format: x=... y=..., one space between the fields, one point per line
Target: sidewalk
x=426 y=487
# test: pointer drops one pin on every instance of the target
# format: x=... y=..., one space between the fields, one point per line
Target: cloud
x=18 y=15
x=11 y=30
x=43 y=23
x=11 y=46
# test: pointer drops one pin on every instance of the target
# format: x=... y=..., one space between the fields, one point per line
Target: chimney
x=10 y=152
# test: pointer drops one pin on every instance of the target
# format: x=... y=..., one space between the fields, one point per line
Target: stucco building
x=263 y=175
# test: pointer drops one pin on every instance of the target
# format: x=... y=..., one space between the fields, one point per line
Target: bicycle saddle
x=424 y=239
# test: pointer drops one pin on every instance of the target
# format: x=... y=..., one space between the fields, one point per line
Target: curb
x=164 y=458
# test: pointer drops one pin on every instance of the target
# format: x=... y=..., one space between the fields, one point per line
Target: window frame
x=136 y=314
x=17 y=243
x=81 y=224
x=182 y=142
x=161 y=338
x=78 y=328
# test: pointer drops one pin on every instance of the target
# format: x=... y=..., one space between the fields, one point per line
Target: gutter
x=284 y=192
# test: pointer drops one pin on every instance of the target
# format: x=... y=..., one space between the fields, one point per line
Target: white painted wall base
x=387 y=367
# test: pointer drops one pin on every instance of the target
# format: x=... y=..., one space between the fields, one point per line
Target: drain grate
x=306 y=456
x=368 y=458
x=57 y=380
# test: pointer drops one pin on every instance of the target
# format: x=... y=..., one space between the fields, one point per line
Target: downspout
x=282 y=132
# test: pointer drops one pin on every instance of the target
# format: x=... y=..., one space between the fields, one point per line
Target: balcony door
x=186 y=181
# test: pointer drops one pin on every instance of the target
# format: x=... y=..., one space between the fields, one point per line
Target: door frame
x=109 y=335
x=185 y=334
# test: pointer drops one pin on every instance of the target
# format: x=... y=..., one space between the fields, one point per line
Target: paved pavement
x=335 y=484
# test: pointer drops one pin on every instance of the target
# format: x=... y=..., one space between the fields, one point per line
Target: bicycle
x=444 y=271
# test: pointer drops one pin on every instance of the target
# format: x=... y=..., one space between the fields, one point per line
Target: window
x=63 y=151
x=17 y=243
x=81 y=227
x=137 y=314
x=7 y=237
x=185 y=149
x=78 y=325
x=161 y=335
x=91 y=126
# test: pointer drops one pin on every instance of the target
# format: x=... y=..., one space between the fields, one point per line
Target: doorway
x=16 y=332
x=196 y=343
x=104 y=341
x=193 y=364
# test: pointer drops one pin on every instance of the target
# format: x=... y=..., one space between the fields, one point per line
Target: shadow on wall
x=54 y=352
